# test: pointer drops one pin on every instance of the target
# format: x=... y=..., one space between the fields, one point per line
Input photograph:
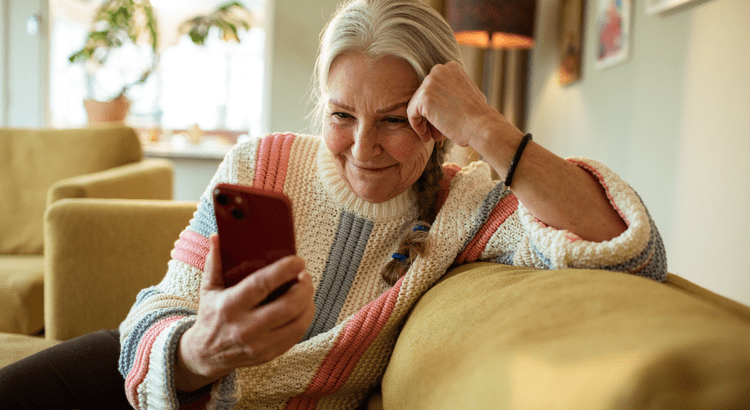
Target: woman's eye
x=395 y=120
x=341 y=115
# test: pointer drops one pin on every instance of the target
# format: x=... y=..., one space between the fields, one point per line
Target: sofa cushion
x=35 y=159
x=16 y=347
x=498 y=337
x=21 y=293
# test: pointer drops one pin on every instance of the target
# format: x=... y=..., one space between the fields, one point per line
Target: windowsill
x=178 y=146
x=191 y=151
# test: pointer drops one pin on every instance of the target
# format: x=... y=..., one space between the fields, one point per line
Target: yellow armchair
x=40 y=166
x=99 y=254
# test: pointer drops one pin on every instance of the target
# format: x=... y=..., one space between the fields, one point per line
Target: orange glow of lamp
x=493 y=23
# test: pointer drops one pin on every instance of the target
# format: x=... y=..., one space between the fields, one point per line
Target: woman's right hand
x=233 y=329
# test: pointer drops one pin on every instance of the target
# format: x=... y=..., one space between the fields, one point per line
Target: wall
x=674 y=121
x=23 y=101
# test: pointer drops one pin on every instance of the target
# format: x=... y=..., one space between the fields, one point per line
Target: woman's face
x=376 y=151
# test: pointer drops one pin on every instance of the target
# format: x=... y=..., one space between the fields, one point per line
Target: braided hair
x=415 y=242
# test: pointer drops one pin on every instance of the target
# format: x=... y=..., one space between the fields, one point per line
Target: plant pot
x=103 y=112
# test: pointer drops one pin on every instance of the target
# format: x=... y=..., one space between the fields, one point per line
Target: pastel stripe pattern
x=204 y=222
x=224 y=395
x=192 y=248
x=195 y=400
x=140 y=368
x=357 y=336
x=504 y=208
x=131 y=345
x=346 y=243
x=449 y=172
x=344 y=257
x=505 y=258
x=489 y=214
x=273 y=159
x=651 y=263
x=541 y=257
x=157 y=390
x=639 y=250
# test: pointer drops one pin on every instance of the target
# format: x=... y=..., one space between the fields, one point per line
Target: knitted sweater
x=346 y=242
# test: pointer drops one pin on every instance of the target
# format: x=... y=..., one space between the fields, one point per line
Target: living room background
x=673 y=120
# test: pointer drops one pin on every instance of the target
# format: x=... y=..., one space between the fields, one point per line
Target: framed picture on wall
x=571 y=36
x=664 y=6
x=613 y=32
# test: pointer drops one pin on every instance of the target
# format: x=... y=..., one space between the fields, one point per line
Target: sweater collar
x=341 y=194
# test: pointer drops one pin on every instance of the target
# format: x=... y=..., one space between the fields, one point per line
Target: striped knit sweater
x=346 y=242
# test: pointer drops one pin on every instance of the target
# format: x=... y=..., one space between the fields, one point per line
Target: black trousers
x=80 y=373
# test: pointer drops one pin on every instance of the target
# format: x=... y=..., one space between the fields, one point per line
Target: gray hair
x=407 y=29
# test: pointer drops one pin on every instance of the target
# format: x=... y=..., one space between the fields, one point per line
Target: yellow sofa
x=40 y=166
x=487 y=336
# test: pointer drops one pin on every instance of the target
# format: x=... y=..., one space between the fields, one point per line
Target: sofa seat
x=16 y=347
x=21 y=293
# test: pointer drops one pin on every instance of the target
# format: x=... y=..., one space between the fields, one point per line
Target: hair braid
x=415 y=242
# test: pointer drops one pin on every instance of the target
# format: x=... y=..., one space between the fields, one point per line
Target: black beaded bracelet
x=514 y=163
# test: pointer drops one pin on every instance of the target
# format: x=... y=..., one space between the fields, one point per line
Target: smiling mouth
x=370 y=168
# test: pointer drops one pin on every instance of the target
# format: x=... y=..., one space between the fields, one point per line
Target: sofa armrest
x=151 y=178
x=501 y=337
x=99 y=253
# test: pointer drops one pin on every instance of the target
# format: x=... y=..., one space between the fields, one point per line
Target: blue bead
x=399 y=256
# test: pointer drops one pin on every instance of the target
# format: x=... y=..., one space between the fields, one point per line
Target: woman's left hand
x=449 y=104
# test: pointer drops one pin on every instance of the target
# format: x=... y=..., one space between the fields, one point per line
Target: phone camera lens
x=222 y=199
x=238 y=214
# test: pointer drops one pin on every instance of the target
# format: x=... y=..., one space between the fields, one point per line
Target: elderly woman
x=379 y=219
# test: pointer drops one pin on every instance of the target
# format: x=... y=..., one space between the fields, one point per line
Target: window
x=216 y=86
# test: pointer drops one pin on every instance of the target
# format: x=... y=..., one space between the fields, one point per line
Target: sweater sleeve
x=150 y=334
x=512 y=235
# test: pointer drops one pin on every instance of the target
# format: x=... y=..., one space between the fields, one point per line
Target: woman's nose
x=366 y=144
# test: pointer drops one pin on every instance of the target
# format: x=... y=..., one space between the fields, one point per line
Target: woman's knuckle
x=222 y=304
x=262 y=285
x=429 y=80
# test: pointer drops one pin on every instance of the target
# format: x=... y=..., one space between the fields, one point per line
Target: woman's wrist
x=187 y=376
x=497 y=144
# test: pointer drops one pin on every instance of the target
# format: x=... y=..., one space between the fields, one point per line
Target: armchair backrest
x=32 y=160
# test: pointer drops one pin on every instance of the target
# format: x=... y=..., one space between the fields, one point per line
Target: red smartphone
x=255 y=227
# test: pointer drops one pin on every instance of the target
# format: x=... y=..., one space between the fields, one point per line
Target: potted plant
x=227 y=18
x=117 y=25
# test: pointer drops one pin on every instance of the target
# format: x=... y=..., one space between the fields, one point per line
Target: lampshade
x=493 y=23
